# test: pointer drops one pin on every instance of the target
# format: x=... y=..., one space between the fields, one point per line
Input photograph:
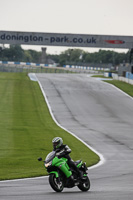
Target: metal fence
x=39 y=69
x=30 y=69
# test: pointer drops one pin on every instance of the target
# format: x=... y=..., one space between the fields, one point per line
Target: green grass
x=126 y=87
x=100 y=76
x=26 y=129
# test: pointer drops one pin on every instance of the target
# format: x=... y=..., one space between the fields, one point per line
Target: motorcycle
x=61 y=175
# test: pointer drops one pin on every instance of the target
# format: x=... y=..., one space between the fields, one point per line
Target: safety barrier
x=124 y=79
x=107 y=74
x=129 y=75
x=86 y=67
x=26 y=63
x=55 y=65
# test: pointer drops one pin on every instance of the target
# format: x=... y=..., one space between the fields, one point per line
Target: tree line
x=78 y=56
x=16 y=53
x=70 y=56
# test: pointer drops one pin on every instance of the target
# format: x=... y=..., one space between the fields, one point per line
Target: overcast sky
x=108 y=17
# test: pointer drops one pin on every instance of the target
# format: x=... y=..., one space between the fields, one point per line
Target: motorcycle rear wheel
x=58 y=187
x=85 y=186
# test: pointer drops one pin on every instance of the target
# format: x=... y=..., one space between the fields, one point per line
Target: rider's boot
x=80 y=174
x=71 y=181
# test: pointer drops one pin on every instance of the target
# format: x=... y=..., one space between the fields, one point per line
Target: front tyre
x=85 y=185
x=55 y=183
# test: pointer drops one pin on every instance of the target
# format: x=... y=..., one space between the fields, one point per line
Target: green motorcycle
x=61 y=175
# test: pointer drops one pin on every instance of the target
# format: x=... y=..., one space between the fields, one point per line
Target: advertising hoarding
x=62 y=39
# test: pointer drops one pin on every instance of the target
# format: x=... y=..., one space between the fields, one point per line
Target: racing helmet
x=57 y=142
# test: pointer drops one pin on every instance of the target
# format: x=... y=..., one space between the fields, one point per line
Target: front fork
x=56 y=173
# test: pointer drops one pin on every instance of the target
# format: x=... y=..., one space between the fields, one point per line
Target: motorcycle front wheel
x=85 y=185
x=55 y=183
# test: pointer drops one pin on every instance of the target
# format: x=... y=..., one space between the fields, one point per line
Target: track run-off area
x=101 y=116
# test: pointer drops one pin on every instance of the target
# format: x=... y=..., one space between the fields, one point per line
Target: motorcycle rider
x=63 y=150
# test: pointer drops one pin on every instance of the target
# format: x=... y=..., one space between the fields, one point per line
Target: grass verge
x=100 y=76
x=125 y=87
x=26 y=129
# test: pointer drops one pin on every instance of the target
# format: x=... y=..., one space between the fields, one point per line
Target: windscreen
x=50 y=157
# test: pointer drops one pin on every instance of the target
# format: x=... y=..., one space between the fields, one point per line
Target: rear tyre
x=55 y=184
x=85 y=185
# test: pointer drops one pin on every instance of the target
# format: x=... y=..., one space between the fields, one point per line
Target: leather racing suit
x=64 y=151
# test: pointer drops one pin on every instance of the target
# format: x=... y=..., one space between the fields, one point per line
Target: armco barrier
x=25 y=63
x=54 y=65
x=85 y=67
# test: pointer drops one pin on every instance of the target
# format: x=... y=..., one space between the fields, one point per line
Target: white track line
x=119 y=90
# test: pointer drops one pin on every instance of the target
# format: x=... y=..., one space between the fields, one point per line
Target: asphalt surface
x=100 y=115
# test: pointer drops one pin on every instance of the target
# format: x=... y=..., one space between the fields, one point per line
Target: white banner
x=62 y=39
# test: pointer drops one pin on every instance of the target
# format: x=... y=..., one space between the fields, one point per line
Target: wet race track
x=102 y=116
